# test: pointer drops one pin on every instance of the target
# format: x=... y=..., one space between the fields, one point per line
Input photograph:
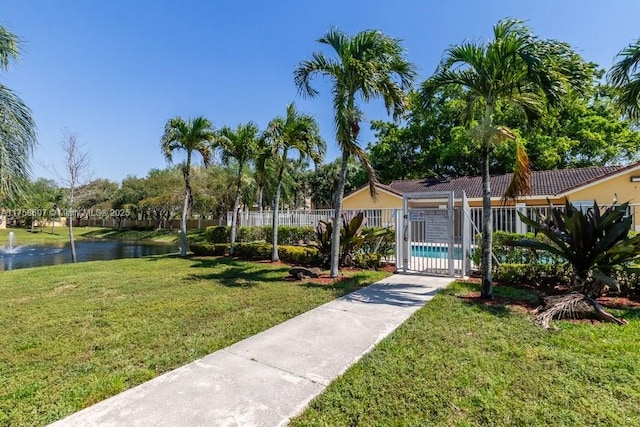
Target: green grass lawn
x=166 y=236
x=73 y=335
x=455 y=363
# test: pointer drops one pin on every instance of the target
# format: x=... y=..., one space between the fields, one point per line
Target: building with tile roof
x=579 y=185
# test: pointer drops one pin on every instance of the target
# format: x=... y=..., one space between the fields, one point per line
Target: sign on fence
x=437 y=226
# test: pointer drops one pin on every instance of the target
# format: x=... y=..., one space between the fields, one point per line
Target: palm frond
x=9 y=47
x=520 y=184
x=622 y=71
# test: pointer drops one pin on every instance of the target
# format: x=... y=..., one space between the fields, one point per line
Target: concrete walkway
x=266 y=379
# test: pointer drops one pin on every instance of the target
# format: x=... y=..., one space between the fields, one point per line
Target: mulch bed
x=528 y=307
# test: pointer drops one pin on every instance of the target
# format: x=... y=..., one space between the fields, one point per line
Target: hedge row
x=533 y=274
x=557 y=274
x=260 y=251
x=286 y=235
x=506 y=253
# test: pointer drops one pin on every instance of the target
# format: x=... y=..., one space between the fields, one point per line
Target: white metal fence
x=310 y=218
x=505 y=218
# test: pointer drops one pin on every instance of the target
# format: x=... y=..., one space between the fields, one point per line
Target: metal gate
x=430 y=235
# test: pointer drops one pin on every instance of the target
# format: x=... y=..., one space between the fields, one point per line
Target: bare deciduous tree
x=76 y=174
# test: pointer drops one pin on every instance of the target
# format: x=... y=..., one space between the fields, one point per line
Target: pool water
x=437 y=252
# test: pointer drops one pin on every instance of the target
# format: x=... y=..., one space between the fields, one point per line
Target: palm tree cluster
x=514 y=67
x=269 y=152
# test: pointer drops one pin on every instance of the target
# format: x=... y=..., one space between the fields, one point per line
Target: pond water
x=18 y=256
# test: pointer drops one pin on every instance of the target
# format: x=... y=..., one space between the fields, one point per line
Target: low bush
x=253 y=234
x=378 y=240
x=286 y=235
x=533 y=274
x=218 y=234
x=253 y=250
x=367 y=261
x=300 y=255
x=629 y=282
x=505 y=252
x=209 y=249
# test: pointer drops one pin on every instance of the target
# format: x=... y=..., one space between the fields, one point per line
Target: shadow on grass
x=232 y=273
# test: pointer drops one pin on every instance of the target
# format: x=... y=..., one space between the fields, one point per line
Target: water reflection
x=40 y=255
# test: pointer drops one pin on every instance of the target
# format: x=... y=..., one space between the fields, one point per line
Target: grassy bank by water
x=61 y=234
x=24 y=236
x=456 y=363
x=128 y=234
x=73 y=335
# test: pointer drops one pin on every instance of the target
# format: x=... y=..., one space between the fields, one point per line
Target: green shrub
x=252 y=234
x=288 y=235
x=367 y=261
x=595 y=243
x=629 y=282
x=209 y=249
x=218 y=234
x=303 y=255
x=505 y=252
x=533 y=274
x=253 y=250
x=379 y=240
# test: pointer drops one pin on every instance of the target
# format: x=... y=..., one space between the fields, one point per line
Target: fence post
x=521 y=227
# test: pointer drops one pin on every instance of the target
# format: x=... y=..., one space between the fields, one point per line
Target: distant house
x=581 y=186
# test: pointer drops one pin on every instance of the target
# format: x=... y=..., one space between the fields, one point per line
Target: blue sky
x=115 y=71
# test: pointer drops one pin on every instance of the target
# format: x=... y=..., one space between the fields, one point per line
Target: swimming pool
x=437 y=252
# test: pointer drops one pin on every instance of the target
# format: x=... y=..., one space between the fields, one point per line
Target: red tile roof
x=543 y=183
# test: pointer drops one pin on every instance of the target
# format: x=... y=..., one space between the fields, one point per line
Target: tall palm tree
x=514 y=67
x=241 y=144
x=372 y=65
x=192 y=136
x=263 y=171
x=625 y=75
x=293 y=133
x=17 y=127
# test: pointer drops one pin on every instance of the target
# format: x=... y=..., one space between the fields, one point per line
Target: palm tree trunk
x=183 y=223
x=335 y=237
x=260 y=196
x=487 y=214
x=234 y=216
x=185 y=206
x=274 y=223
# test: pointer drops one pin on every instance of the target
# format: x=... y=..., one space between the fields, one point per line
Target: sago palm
x=293 y=133
x=625 y=76
x=192 y=136
x=17 y=128
x=242 y=146
x=371 y=65
x=514 y=67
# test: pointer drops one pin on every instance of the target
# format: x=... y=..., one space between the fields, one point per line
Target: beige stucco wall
x=603 y=192
x=362 y=200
